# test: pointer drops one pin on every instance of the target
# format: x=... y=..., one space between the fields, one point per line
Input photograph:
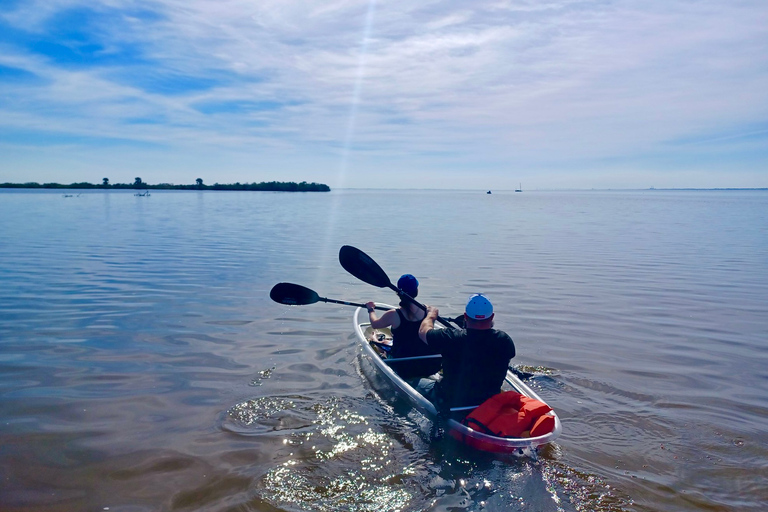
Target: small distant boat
x=519 y=189
x=488 y=192
x=142 y=194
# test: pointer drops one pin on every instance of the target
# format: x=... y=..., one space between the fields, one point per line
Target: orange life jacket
x=510 y=414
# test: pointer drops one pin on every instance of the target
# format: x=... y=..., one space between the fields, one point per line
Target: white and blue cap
x=479 y=307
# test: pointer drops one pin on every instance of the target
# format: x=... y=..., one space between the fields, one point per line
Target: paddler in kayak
x=404 y=323
x=475 y=359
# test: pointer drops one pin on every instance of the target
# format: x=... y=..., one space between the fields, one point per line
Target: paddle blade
x=362 y=266
x=293 y=294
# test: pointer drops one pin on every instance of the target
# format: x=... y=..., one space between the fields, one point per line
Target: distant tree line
x=138 y=183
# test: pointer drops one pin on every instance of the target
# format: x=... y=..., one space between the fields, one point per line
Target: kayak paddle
x=362 y=266
x=522 y=375
x=297 y=295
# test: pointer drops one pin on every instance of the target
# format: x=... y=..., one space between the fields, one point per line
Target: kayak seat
x=417 y=366
x=510 y=414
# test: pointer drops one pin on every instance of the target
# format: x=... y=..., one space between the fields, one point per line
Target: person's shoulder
x=506 y=341
x=502 y=336
x=447 y=332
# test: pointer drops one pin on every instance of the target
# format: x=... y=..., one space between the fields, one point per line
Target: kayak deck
x=372 y=353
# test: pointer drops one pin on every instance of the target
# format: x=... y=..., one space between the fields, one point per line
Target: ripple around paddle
x=269 y=414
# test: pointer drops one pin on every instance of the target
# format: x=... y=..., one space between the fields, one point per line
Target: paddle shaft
x=323 y=299
x=296 y=295
x=363 y=267
x=418 y=304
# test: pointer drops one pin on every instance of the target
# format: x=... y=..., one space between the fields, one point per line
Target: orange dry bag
x=510 y=414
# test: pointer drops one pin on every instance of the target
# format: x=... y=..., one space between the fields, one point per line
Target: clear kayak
x=371 y=342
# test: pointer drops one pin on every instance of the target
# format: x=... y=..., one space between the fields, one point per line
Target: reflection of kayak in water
x=542 y=426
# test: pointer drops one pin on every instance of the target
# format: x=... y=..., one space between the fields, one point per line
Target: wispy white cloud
x=517 y=90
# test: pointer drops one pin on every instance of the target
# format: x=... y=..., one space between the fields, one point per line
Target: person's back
x=405 y=337
x=404 y=322
x=475 y=363
x=475 y=359
x=406 y=343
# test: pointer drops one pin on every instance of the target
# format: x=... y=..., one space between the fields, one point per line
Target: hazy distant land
x=271 y=186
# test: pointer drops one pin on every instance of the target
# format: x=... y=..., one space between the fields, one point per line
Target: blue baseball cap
x=408 y=284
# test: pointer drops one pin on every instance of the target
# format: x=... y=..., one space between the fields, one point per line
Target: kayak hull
x=384 y=375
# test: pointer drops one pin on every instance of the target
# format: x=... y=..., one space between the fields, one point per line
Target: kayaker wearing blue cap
x=404 y=322
x=475 y=359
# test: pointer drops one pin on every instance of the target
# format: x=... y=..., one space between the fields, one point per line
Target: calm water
x=143 y=366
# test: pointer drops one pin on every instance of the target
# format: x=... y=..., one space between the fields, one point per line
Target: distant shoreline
x=274 y=186
x=271 y=186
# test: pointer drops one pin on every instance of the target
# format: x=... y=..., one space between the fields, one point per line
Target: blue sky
x=398 y=94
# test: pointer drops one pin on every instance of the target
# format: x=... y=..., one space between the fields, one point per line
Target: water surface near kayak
x=145 y=368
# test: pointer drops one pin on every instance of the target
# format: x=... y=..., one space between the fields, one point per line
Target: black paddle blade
x=293 y=294
x=362 y=266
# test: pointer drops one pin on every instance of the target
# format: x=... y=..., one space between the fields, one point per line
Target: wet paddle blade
x=293 y=294
x=362 y=266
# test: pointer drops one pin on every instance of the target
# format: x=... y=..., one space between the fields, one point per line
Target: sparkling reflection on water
x=341 y=458
x=143 y=366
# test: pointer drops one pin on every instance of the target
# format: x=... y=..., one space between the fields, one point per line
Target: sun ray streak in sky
x=356 y=93
x=329 y=253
